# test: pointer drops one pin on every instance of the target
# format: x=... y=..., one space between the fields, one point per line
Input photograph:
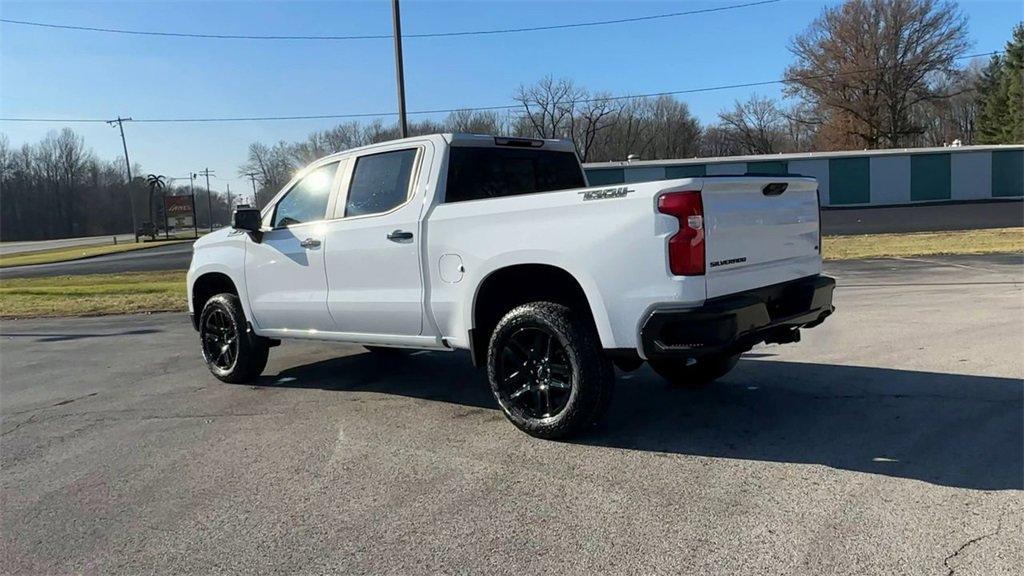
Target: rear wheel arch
x=506 y=288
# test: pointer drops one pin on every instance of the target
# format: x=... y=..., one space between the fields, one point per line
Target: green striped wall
x=929 y=177
x=1007 y=173
x=896 y=178
x=772 y=167
x=685 y=171
x=607 y=176
x=849 y=181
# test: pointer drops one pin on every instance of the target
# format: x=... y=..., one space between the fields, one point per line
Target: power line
x=386 y=36
x=483 y=108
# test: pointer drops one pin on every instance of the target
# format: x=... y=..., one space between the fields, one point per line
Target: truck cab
x=498 y=247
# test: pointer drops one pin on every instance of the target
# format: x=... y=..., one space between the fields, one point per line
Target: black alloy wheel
x=233 y=353
x=220 y=340
x=547 y=370
x=534 y=373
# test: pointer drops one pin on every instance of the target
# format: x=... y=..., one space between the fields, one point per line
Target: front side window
x=380 y=182
x=307 y=200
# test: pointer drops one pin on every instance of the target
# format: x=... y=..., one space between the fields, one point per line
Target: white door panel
x=285 y=281
x=374 y=275
x=285 y=276
x=375 y=285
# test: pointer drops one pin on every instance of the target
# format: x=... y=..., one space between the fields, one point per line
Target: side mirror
x=249 y=220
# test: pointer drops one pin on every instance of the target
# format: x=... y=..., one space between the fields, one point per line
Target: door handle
x=309 y=243
x=399 y=235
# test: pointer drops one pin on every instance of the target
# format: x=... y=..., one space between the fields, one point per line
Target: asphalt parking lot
x=889 y=441
x=923 y=218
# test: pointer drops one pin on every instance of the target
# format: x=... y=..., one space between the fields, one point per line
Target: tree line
x=866 y=74
x=58 y=188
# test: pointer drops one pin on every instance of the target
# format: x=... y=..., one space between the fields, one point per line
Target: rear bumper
x=735 y=323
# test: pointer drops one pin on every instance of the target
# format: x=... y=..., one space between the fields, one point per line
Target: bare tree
x=274 y=166
x=868 y=64
x=588 y=120
x=676 y=132
x=631 y=134
x=549 y=106
x=6 y=157
x=954 y=117
x=716 y=141
x=56 y=188
x=756 y=126
x=474 y=122
x=325 y=142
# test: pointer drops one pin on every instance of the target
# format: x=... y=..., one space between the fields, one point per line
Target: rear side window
x=478 y=173
x=307 y=200
x=380 y=182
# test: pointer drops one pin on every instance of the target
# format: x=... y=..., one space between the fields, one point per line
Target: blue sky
x=74 y=74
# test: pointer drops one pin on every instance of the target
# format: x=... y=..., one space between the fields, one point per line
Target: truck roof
x=465 y=139
x=488 y=140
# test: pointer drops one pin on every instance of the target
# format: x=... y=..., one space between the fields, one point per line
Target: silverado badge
x=605 y=193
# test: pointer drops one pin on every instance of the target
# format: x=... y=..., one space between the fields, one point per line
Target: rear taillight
x=686 y=247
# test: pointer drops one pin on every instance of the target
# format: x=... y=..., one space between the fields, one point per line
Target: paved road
x=940 y=217
x=7 y=248
x=889 y=441
x=170 y=257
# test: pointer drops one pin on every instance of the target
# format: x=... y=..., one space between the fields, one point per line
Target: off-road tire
x=592 y=374
x=251 y=352
x=704 y=372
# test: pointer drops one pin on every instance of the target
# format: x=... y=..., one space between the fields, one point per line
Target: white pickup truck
x=497 y=246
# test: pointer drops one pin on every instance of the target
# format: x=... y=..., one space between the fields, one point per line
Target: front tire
x=233 y=353
x=704 y=372
x=547 y=370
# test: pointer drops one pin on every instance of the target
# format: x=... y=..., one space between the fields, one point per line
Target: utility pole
x=192 y=191
x=209 y=202
x=229 y=198
x=396 y=16
x=255 y=197
x=163 y=198
x=128 y=166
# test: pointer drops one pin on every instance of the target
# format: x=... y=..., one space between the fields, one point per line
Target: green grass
x=78 y=252
x=165 y=291
x=923 y=243
x=92 y=295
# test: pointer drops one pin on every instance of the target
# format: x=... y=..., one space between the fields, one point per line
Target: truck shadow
x=62 y=337
x=945 y=429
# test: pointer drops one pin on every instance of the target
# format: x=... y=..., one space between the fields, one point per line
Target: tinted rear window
x=477 y=173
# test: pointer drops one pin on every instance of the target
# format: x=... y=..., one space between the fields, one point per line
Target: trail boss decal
x=605 y=193
x=718 y=263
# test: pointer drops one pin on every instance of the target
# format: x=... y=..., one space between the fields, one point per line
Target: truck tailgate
x=756 y=235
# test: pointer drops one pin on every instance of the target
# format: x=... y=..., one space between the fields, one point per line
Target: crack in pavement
x=976 y=539
x=70 y=400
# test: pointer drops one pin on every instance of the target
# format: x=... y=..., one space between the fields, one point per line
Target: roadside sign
x=179 y=211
